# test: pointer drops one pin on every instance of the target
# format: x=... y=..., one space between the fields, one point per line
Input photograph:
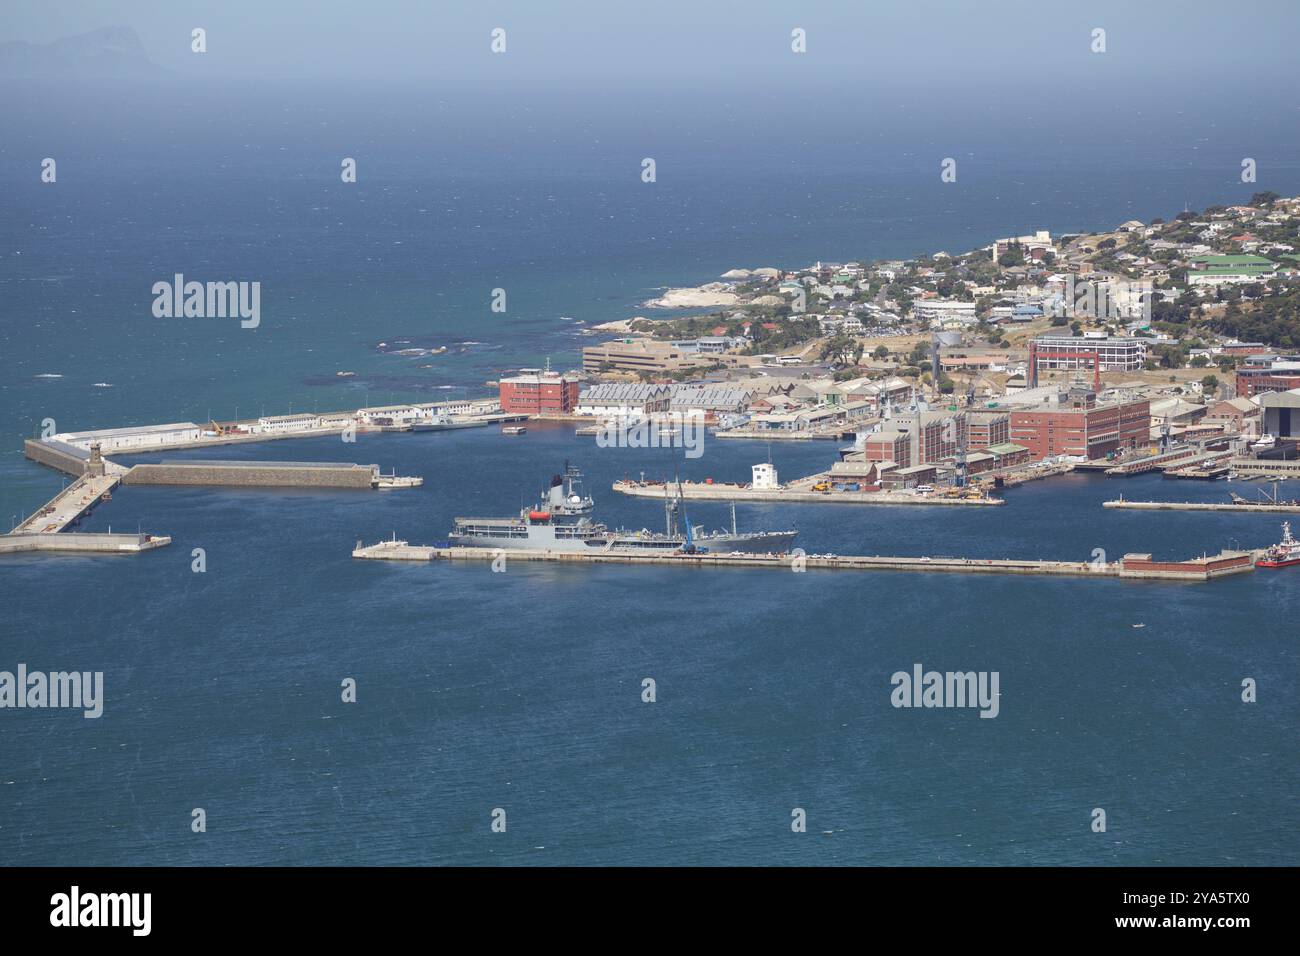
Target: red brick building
x=539 y=393
x=1081 y=427
x=940 y=436
x=887 y=446
x=987 y=427
x=1271 y=375
x=934 y=435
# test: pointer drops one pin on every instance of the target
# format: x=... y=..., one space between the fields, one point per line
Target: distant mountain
x=110 y=52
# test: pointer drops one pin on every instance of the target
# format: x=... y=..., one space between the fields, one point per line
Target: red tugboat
x=1283 y=554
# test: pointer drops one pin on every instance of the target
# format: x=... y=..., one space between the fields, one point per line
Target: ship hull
x=1277 y=563
x=561 y=522
x=544 y=539
x=766 y=542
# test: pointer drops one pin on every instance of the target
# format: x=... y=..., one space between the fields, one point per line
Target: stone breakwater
x=255 y=474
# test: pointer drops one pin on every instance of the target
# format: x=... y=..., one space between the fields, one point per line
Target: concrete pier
x=78 y=543
x=1251 y=508
x=68 y=505
x=1266 y=468
x=729 y=492
x=1180 y=457
x=1011 y=477
x=777 y=434
x=1205 y=568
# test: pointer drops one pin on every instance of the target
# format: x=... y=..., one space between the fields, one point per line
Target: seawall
x=271 y=474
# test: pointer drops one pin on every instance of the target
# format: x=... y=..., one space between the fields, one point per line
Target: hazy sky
x=1187 y=48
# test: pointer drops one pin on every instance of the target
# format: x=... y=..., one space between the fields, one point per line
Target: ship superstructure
x=561 y=521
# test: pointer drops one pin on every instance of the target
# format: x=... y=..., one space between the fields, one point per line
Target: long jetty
x=82 y=543
x=1247 y=508
x=1133 y=566
x=730 y=492
x=69 y=505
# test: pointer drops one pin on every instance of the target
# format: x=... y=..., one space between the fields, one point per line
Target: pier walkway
x=791 y=493
x=69 y=505
x=1262 y=507
x=77 y=543
x=1204 y=568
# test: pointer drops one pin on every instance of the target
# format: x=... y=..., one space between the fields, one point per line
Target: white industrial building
x=133 y=437
x=943 y=310
x=615 y=400
x=286 y=424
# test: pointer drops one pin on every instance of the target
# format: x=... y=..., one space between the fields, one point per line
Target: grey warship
x=561 y=521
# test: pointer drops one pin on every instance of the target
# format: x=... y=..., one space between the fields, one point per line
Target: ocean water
x=522 y=690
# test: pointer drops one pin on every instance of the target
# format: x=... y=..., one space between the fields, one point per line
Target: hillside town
x=1035 y=353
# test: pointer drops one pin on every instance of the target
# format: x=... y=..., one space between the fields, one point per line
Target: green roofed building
x=1220 y=270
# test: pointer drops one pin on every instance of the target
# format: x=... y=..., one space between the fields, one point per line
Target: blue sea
x=522 y=690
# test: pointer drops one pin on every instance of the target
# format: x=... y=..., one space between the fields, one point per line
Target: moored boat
x=1283 y=554
x=562 y=521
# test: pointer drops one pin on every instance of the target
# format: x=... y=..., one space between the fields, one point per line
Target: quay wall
x=1261 y=507
x=81 y=543
x=777 y=434
x=1133 y=566
x=65 y=458
x=1264 y=467
x=722 y=492
x=1187 y=570
x=268 y=475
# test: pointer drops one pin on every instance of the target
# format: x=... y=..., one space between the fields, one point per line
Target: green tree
x=1014 y=256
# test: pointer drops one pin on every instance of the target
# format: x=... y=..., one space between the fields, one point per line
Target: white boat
x=1264 y=443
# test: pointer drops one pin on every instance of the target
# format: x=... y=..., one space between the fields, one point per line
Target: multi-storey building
x=1074 y=423
x=987 y=427
x=641 y=355
x=887 y=445
x=539 y=393
x=1267 y=373
x=933 y=434
x=1099 y=353
x=943 y=310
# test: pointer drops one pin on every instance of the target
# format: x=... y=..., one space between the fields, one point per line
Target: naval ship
x=561 y=521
